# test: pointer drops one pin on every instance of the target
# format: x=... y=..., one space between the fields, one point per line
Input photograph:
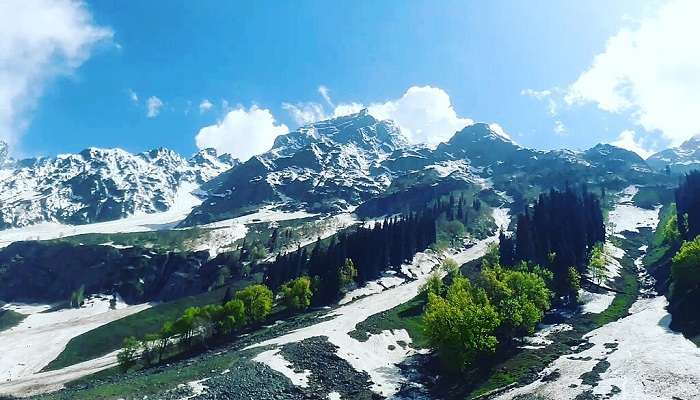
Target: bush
x=127 y=356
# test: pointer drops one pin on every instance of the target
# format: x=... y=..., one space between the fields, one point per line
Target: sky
x=234 y=74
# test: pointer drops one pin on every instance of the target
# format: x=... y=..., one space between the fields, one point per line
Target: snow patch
x=41 y=336
x=275 y=360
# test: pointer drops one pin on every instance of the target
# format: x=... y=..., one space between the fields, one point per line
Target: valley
x=74 y=294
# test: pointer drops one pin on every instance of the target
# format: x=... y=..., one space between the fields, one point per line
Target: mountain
x=325 y=166
x=680 y=159
x=343 y=162
x=99 y=184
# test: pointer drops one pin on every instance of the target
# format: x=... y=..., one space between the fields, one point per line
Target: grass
x=138 y=386
x=109 y=337
x=408 y=316
x=165 y=239
x=9 y=318
x=651 y=196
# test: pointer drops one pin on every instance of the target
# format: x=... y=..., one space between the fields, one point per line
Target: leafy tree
x=433 y=285
x=461 y=326
x=450 y=267
x=297 y=293
x=77 y=298
x=347 y=273
x=573 y=280
x=453 y=231
x=257 y=301
x=520 y=297
x=597 y=266
x=685 y=270
x=149 y=348
x=235 y=316
x=127 y=356
x=671 y=235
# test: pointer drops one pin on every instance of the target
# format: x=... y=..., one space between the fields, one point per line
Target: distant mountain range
x=327 y=166
x=98 y=185
x=679 y=159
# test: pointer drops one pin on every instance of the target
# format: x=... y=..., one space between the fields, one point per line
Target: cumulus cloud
x=305 y=113
x=153 y=106
x=39 y=40
x=629 y=141
x=205 y=106
x=242 y=133
x=651 y=72
x=424 y=113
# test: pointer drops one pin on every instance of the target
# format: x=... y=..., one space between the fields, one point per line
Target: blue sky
x=519 y=64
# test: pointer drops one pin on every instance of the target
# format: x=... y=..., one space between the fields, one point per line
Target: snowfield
x=42 y=336
x=628 y=217
x=638 y=356
x=184 y=202
x=379 y=355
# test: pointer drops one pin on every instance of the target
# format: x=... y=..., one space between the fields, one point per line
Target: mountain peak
x=3 y=152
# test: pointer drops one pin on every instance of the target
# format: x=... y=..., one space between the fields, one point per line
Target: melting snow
x=379 y=355
x=275 y=360
x=42 y=336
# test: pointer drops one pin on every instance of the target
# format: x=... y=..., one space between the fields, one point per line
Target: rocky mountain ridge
x=98 y=184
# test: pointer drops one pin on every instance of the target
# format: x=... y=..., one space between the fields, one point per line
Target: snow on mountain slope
x=98 y=185
x=326 y=166
x=683 y=158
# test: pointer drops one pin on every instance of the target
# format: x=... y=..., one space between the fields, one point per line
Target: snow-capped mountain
x=328 y=165
x=340 y=163
x=98 y=184
x=680 y=159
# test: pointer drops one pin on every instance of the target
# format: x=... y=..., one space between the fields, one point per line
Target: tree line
x=371 y=251
x=199 y=326
x=682 y=233
x=559 y=232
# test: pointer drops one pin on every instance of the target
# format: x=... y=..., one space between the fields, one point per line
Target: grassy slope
x=9 y=318
x=109 y=337
x=166 y=240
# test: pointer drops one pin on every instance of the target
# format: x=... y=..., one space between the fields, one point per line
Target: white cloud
x=242 y=133
x=651 y=72
x=153 y=104
x=424 y=113
x=133 y=96
x=559 y=128
x=39 y=40
x=205 y=105
x=325 y=93
x=547 y=94
x=537 y=94
x=305 y=113
x=628 y=140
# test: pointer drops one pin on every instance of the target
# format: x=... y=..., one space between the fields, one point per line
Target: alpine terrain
x=347 y=263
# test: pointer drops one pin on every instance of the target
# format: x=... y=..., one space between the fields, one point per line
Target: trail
x=636 y=357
